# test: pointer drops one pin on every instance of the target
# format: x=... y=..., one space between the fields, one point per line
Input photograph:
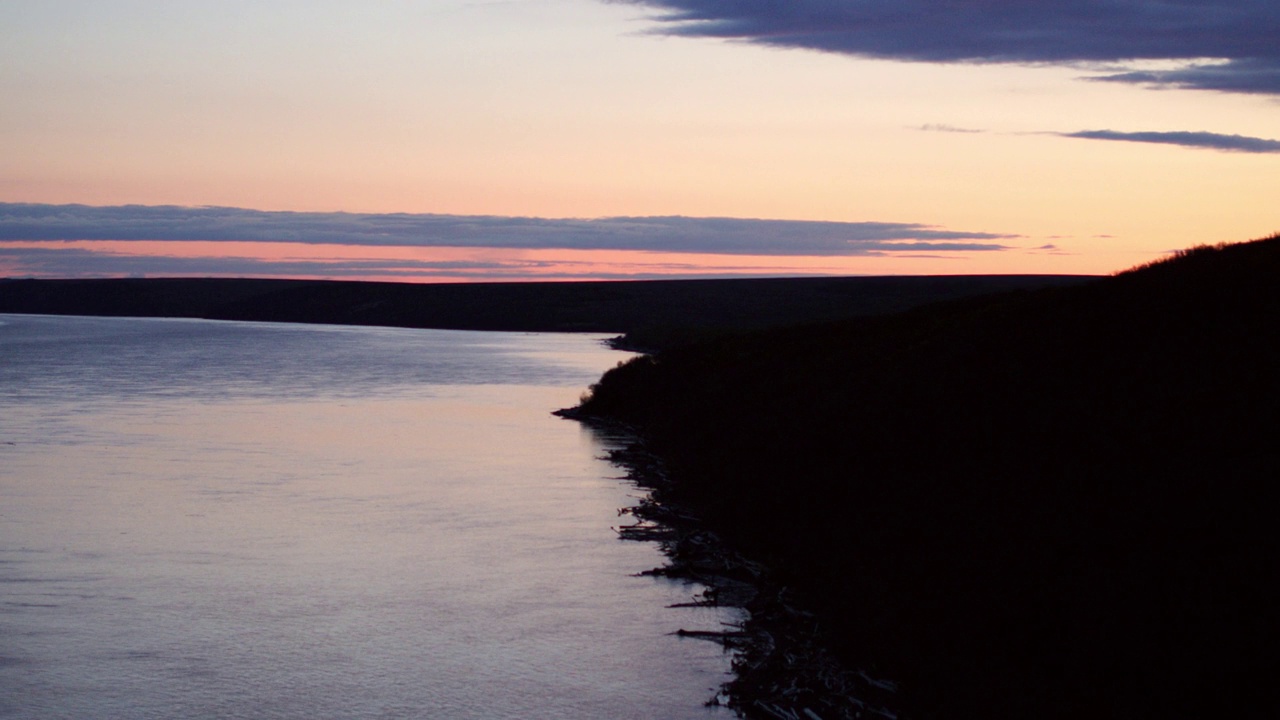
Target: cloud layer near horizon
x=1229 y=45
x=723 y=236
x=57 y=261
x=1212 y=141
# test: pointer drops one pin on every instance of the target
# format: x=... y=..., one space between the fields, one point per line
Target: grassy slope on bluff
x=651 y=313
x=1043 y=504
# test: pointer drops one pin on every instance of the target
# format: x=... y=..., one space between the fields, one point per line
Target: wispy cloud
x=1049 y=249
x=725 y=236
x=1252 y=75
x=1213 y=141
x=944 y=128
x=1229 y=45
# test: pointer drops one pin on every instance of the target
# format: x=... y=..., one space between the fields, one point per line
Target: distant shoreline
x=651 y=314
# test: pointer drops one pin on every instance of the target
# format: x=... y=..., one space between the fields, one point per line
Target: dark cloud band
x=1240 y=32
x=1213 y=141
x=726 y=236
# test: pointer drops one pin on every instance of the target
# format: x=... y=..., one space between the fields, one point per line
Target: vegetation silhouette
x=1054 y=503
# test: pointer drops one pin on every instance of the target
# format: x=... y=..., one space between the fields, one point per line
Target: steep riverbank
x=783 y=666
x=1049 y=504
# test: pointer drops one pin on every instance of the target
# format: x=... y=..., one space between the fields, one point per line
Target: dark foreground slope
x=1049 y=504
x=651 y=313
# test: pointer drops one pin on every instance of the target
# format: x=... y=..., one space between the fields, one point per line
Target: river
x=247 y=520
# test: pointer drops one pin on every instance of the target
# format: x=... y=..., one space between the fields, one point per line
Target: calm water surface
x=241 y=520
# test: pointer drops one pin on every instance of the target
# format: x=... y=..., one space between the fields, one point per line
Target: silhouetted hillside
x=1044 y=504
x=651 y=313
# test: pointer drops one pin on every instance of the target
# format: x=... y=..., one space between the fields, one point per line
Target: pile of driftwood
x=781 y=669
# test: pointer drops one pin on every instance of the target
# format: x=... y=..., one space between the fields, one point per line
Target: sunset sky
x=442 y=140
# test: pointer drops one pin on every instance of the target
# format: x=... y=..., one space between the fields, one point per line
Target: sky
x=444 y=140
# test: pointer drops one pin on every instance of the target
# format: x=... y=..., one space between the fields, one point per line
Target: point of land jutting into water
x=1040 y=504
